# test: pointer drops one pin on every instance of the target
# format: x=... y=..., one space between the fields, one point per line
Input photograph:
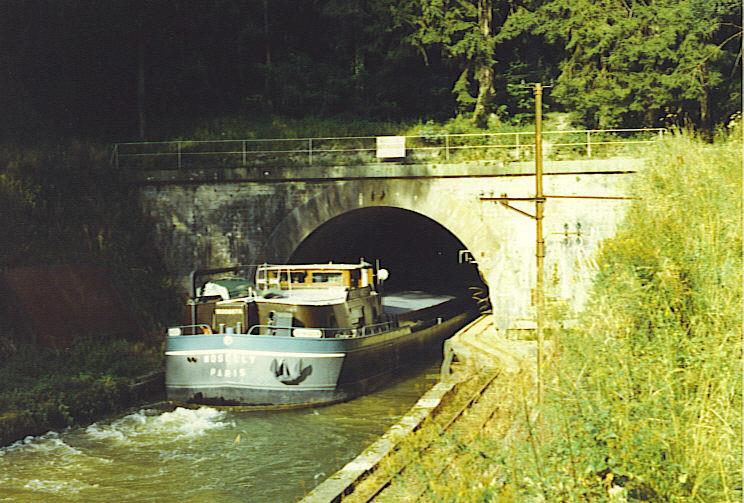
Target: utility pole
x=539 y=199
x=539 y=242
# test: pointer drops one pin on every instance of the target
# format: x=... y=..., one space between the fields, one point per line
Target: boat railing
x=379 y=327
x=310 y=333
x=276 y=330
x=198 y=329
x=322 y=333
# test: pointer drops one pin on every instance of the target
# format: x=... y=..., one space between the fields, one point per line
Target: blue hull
x=290 y=371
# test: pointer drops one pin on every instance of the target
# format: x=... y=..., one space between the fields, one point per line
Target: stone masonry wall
x=201 y=223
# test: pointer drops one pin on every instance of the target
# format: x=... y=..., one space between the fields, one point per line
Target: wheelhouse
x=286 y=277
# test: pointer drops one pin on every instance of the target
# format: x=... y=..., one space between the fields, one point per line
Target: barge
x=302 y=335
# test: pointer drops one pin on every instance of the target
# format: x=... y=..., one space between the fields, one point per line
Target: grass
x=651 y=382
x=643 y=399
x=273 y=126
x=48 y=388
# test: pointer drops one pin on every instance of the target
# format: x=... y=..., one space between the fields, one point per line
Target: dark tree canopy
x=642 y=62
x=92 y=68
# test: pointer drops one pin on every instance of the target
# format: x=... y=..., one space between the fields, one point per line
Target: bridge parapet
x=470 y=169
x=365 y=150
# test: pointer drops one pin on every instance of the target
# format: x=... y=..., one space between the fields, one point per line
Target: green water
x=203 y=455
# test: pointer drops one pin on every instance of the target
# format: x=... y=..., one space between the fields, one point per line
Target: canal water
x=205 y=454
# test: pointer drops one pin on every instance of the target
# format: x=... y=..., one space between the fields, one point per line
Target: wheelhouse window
x=354 y=277
x=332 y=278
x=296 y=277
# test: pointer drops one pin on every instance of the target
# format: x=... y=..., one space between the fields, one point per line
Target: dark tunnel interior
x=419 y=253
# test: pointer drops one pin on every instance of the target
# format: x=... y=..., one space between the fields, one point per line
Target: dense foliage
x=645 y=62
x=107 y=69
x=66 y=205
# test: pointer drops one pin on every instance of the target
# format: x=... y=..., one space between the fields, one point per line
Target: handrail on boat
x=379 y=327
x=327 y=332
x=196 y=329
x=323 y=333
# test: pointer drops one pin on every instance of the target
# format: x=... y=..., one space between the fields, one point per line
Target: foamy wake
x=61 y=464
x=180 y=423
x=190 y=422
x=50 y=446
x=49 y=443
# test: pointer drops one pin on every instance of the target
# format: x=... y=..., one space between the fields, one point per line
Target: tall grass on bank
x=651 y=383
x=52 y=388
x=644 y=398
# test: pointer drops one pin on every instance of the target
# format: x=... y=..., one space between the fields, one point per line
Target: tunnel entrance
x=419 y=253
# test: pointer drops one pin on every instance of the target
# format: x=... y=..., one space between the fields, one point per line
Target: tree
x=463 y=30
x=632 y=62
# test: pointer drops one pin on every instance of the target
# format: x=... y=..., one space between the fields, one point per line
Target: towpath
x=488 y=401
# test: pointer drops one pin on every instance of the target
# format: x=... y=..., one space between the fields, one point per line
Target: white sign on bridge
x=391 y=147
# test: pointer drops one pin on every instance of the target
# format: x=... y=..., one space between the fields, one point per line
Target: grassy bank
x=647 y=393
x=49 y=388
x=66 y=204
x=644 y=399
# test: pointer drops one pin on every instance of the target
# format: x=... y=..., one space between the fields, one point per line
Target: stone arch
x=343 y=197
x=371 y=199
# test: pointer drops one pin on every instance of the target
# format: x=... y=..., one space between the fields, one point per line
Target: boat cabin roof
x=320 y=267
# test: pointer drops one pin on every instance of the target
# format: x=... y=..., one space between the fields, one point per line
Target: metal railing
x=327 y=333
x=357 y=150
x=197 y=329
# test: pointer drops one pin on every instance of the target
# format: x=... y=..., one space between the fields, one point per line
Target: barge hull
x=289 y=372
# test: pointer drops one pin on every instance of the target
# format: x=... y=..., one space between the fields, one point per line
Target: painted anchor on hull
x=290 y=371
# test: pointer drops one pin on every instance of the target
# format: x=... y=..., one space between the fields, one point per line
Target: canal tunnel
x=419 y=253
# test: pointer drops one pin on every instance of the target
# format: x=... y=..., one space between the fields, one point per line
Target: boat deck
x=414 y=300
